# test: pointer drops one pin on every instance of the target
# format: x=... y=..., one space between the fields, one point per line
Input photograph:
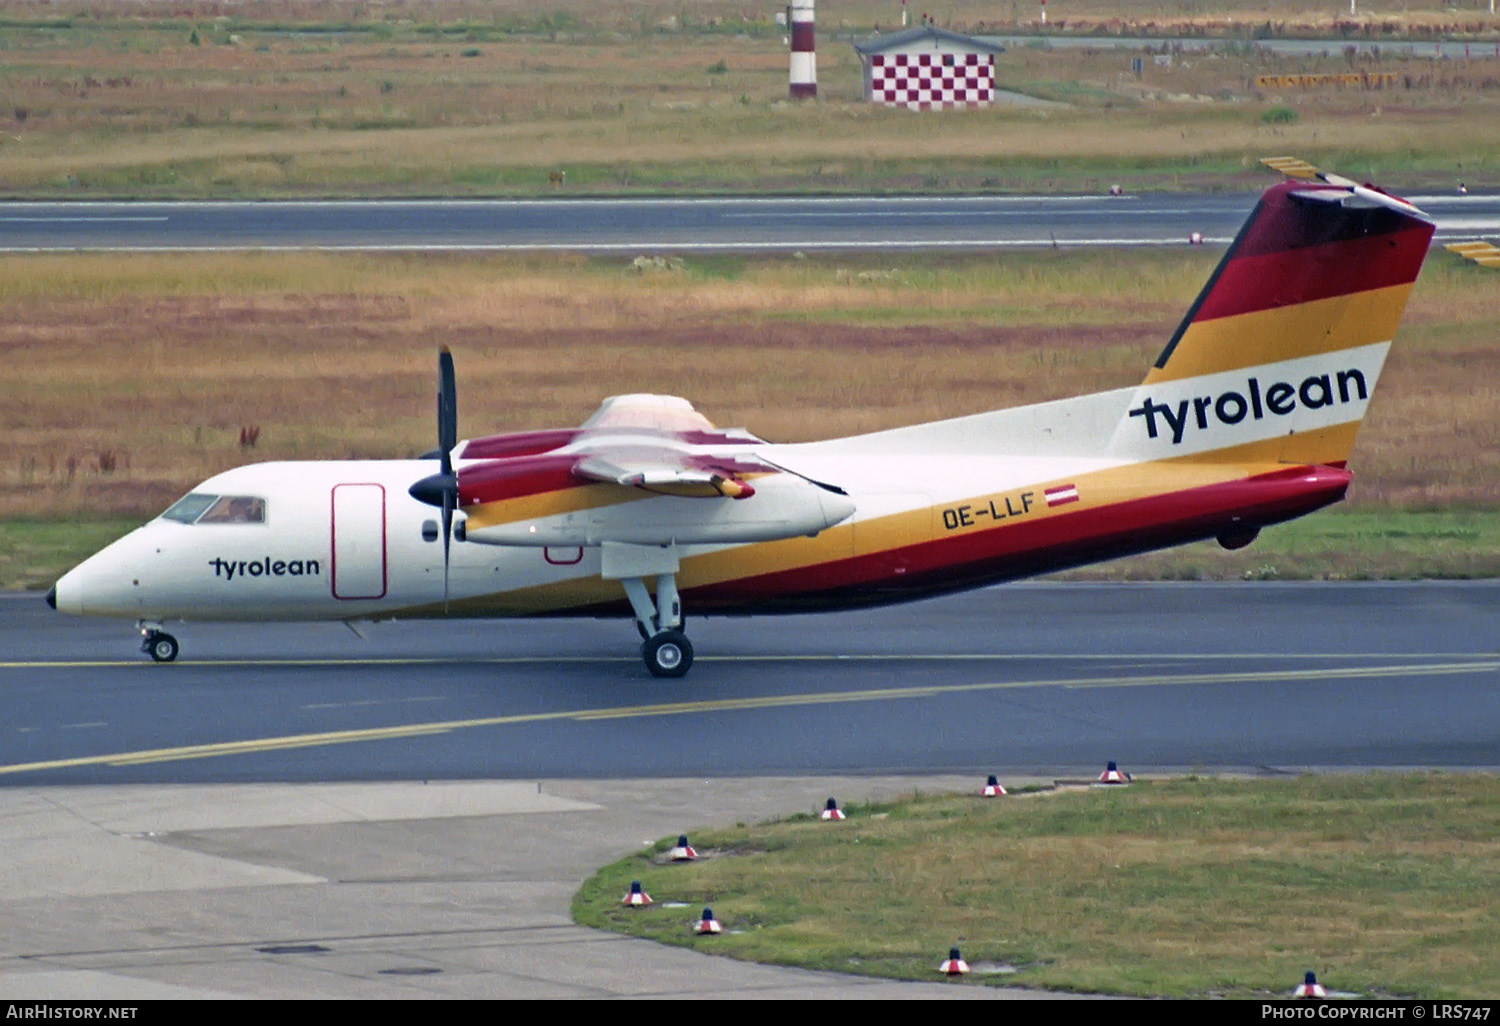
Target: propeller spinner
x=441 y=489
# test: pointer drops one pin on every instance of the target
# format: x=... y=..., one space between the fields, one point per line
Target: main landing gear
x=665 y=649
x=157 y=643
x=667 y=652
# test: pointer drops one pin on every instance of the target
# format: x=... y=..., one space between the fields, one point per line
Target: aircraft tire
x=668 y=654
x=162 y=646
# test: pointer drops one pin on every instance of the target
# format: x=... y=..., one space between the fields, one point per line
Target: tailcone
x=52 y=596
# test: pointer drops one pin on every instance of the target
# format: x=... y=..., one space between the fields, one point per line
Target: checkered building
x=927 y=68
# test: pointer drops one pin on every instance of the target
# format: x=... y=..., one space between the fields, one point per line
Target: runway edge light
x=831 y=811
x=1310 y=987
x=637 y=898
x=1112 y=775
x=954 y=964
x=682 y=851
x=708 y=924
x=993 y=788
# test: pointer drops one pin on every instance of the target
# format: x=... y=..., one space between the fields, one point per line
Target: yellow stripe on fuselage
x=1270 y=336
x=1101 y=488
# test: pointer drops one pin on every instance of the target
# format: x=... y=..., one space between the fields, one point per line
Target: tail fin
x=1279 y=354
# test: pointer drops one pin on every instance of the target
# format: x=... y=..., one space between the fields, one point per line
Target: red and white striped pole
x=804 y=60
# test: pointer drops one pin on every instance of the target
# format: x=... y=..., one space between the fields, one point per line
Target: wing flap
x=660 y=470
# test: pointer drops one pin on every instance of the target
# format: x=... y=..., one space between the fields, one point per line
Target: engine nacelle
x=783 y=506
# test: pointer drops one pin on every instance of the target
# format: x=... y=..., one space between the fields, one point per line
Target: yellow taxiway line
x=889 y=657
x=271 y=744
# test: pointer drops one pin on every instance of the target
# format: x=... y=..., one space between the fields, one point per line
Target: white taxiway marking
x=890 y=657
x=627 y=247
x=69 y=220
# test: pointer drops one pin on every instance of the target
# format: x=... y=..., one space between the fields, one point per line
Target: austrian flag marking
x=1061 y=495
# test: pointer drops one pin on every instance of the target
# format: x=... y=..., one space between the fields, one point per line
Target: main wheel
x=668 y=654
x=163 y=647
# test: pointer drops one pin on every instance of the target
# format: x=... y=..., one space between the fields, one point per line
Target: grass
x=127 y=379
x=1385 y=884
x=35 y=553
x=1359 y=544
x=462 y=98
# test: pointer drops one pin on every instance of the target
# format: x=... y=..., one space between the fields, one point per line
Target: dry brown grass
x=128 y=105
x=154 y=363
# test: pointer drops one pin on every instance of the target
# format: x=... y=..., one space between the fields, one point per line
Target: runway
x=723 y=224
x=1035 y=678
x=292 y=812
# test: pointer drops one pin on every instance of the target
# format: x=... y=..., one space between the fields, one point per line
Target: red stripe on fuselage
x=1021 y=550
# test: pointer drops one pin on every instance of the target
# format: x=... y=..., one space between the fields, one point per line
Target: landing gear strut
x=665 y=650
x=157 y=643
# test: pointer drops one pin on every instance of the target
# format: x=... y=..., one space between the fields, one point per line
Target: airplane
x=1246 y=419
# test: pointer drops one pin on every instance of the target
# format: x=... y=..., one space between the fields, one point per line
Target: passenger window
x=189 y=508
x=235 y=509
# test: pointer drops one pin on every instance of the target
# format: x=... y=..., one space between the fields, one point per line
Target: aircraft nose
x=52 y=597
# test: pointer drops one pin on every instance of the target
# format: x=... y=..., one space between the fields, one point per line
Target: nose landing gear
x=157 y=643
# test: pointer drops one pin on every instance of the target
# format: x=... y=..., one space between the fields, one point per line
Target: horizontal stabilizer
x=1347 y=193
x=1482 y=253
x=1296 y=167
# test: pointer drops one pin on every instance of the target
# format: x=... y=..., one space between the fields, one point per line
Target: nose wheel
x=159 y=645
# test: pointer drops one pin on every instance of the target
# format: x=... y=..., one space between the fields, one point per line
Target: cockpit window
x=190 y=507
x=197 y=508
x=235 y=509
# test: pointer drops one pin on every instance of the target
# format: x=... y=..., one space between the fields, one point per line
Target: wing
x=660 y=469
x=1482 y=253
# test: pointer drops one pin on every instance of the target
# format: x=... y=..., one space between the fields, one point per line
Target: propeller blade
x=447 y=438
x=441 y=489
x=447 y=410
x=448 y=503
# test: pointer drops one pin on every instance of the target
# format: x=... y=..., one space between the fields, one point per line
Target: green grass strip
x=35 y=553
x=1385 y=884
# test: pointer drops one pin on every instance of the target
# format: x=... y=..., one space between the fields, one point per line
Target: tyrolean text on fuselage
x=1232 y=407
x=230 y=569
